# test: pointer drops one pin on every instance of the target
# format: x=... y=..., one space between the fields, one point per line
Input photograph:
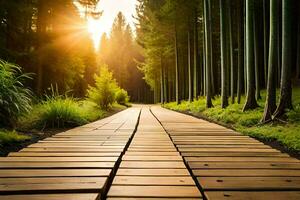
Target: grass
x=7 y=137
x=63 y=113
x=248 y=122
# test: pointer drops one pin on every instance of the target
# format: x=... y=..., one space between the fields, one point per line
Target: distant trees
x=233 y=43
x=121 y=53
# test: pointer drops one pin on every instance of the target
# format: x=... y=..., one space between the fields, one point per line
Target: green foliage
x=103 y=94
x=122 y=97
x=15 y=98
x=60 y=111
x=249 y=122
x=7 y=137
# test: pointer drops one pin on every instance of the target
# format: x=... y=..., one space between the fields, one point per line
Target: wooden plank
x=69 y=150
x=153 y=191
x=36 y=185
x=257 y=195
x=77 y=146
x=152 y=158
x=111 y=156
x=56 y=159
x=164 y=153
x=225 y=150
x=247 y=146
x=243 y=165
x=242 y=159
x=250 y=183
x=153 y=150
x=145 y=180
x=55 y=165
x=137 y=198
x=152 y=172
x=235 y=154
x=10 y=173
x=151 y=165
x=247 y=172
x=88 y=196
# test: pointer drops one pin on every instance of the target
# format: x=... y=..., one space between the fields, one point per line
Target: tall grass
x=15 y=98
x=60 y=111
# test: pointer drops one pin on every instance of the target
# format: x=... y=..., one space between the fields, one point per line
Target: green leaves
x=15 y=99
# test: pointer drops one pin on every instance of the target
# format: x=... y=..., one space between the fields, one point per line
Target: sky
x=110 y=10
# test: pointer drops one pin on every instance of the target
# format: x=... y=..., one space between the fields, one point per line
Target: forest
x=235 y=62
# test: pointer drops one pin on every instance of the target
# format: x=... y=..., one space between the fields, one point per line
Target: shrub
x=103 y=94
x=122 y=97
x=15 y=98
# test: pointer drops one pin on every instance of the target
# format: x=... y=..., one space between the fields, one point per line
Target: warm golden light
x=110 y=8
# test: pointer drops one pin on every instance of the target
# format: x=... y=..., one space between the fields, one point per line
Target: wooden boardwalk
x=131 y=156
x=228 y=165
x=77 y=164
x=152 y=167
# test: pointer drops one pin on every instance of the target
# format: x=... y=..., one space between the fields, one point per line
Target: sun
x=95 y=28
x=98 y=26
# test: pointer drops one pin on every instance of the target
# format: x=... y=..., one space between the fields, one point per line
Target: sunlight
x=110 y=8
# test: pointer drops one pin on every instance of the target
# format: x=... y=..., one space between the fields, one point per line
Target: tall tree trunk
x=240 y=50
x=190 y=81
x=196 y=62
x=298 y=51
x=256 y=54
x=270 y=104
x=176 y=68
x=161 y=81
x=250 y=99
x=245 y=49
x=232 y=76
x=266 y=39
x=279 y=46
x=208 y=45
x=285 y=101
x=224 y=97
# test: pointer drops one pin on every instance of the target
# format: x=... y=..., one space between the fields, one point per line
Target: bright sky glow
x=110 y=8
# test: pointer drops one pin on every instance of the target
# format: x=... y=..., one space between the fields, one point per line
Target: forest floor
x=283 y=135
x=13 y=141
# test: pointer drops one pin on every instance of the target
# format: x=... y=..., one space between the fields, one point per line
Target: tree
x=196 y=56
x=208 y=53
x=256 y=53
x=240 y=50
x=250 y=99
x=270 y=104
x=285 y=101
x=224 y=63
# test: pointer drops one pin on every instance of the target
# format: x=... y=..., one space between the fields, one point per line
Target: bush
x=122 y=97
x=103 y=94
x=15 y=99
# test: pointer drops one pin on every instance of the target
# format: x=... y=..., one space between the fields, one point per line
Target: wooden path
x=152 y=167
x=228 y=165
x=131 y=156
x=77 y=164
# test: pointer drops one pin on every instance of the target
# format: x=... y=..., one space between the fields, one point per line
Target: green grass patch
x=249 y=122
x=7 y=137
x=61 y=113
